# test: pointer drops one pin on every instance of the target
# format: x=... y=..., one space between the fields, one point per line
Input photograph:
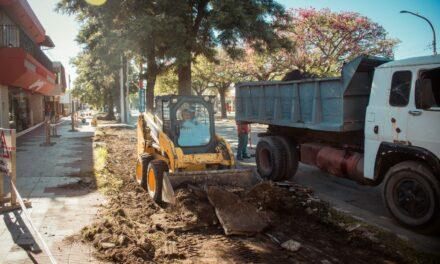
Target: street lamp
x=430 y=24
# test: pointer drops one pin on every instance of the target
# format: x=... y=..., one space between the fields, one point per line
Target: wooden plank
x=13 y=160
x=9 y=208
x=2 y=200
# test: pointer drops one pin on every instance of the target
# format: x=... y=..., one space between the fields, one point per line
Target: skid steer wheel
x=141 y=169
x=270 y=159
x=412 y=194
x=292 y=156
x=155 y=171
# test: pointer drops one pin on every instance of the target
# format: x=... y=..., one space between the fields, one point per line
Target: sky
x=414 y=33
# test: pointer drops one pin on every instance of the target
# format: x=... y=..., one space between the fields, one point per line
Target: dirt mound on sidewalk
x=120 y=235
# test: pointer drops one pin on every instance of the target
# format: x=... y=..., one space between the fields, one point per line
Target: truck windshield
x=193 y=127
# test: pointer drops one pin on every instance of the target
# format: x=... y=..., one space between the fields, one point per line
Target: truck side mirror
x=424 y=96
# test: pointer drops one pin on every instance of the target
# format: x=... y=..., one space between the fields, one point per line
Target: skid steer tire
x=292 y=156
x=141 y=169
x=411 y=193
x=154 y=179
x=270 y=159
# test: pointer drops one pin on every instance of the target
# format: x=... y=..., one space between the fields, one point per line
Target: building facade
x=30 y=83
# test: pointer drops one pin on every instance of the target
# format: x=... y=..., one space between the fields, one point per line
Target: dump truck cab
x=403 y=115
x=402 y=140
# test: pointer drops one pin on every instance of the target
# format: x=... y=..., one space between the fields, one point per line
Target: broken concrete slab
x=291 y=245
x=236 y=216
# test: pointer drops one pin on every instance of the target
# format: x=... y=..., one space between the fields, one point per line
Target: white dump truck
x=379 y=122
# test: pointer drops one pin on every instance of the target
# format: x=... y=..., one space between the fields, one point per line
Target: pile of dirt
x=119 y=240
x=131 y=228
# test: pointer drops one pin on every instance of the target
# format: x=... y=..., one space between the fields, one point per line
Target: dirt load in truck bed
x=131 y=228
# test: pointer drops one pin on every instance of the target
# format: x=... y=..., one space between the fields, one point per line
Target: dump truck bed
x=325 y=104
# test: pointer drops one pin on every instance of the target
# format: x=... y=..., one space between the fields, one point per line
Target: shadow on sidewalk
x=20 y=234
x=62 y=170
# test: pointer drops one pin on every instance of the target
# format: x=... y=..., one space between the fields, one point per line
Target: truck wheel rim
x=265 y=160
x=151 y=182
x=412 y=198
x=138 y=172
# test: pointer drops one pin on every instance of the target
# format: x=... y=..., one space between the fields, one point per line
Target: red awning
x=20 y=69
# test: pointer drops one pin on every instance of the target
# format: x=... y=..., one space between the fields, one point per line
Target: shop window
x=19 y=111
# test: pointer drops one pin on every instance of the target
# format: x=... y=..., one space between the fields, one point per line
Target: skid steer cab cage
x=171 y=111
x=166 y=160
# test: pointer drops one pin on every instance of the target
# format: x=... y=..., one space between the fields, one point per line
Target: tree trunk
x=222 y=93
x=151 y=81
x=184 y=75
x=117 y=93
x=110 y=105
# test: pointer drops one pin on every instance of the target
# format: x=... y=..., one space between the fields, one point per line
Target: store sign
x=37 y=85
x=5 y=150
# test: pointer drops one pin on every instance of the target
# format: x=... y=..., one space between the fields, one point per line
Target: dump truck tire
x=411 y=193
x=292 y=156
x=141 y=169
x=270 y=159
x=154 y=179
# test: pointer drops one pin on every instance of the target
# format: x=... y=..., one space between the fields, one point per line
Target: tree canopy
x=201 y=26
x=324 y=40
x=204 y=46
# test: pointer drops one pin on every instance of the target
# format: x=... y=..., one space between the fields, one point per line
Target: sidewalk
x=61 y=205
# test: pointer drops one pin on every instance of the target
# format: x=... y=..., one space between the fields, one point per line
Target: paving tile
x=55 y=215
x=19 y=255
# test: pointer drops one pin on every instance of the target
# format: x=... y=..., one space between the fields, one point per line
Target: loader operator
x=192 y=132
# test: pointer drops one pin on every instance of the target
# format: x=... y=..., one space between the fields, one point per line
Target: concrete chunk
x=291 y=245
x=236 y=216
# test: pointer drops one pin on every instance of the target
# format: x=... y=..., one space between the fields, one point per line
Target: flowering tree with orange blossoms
x=324 y=40
x=264 y=66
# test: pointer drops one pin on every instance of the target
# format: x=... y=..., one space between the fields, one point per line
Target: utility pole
x=434 y=43
x=127 y=93
x=72 y=107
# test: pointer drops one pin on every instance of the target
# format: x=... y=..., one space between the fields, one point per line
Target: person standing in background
x=243 y=130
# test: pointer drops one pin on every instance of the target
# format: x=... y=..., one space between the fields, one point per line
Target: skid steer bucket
x=231 y=177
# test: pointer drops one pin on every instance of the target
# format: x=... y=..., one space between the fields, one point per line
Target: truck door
x=424 y=113
x=399 y=96
x=387 y=112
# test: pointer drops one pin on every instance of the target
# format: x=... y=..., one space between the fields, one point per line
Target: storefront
x=19 y=109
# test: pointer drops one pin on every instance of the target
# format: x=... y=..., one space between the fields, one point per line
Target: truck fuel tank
x=338 y=162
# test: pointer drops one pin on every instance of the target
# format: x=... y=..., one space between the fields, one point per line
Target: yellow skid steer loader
x=177 y=146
